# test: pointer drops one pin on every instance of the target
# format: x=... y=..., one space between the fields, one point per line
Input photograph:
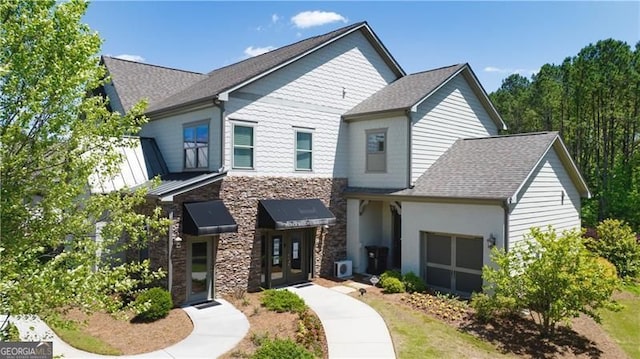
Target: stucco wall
x=463 y=219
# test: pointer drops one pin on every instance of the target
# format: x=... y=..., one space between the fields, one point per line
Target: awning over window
x=293 y=213
x=206 y=218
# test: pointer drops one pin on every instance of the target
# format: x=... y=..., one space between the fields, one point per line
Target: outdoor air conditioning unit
x=343 y=269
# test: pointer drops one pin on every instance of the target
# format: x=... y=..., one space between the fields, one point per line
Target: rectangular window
x=304 y=146
x=196 y=146
x=242 y=146
x=376 y=150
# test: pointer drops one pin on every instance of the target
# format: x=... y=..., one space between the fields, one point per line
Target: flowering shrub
x=310 y=332
x=443 y=306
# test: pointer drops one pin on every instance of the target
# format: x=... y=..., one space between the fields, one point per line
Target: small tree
x=554 y=277
x=53 y=137
x=617 y=243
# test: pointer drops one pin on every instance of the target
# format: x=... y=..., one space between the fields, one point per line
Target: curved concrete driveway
x=216 y=330
x=353 y=329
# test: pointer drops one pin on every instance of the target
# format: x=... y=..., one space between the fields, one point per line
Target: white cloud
x=307 y=19
x=275 y=18
x=255 y=51
x=136 y=58
x=509 y=71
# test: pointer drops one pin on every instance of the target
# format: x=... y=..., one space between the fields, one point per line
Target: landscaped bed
x=103 y=333
x=439 y=326
x=267 y=324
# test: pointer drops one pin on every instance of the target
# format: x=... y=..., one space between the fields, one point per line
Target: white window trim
x=295 y=150
x=233 y=145
x=195 y=125
x=366 y=149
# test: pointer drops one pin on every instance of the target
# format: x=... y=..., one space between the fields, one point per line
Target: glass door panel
x=277 y=259
x=296 y=256
x=200 y=276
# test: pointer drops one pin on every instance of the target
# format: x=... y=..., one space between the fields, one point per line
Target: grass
x=83 y=341
x=624 y=326
x=416 y=335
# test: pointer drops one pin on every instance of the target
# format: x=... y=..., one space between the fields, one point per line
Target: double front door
x=287 y=258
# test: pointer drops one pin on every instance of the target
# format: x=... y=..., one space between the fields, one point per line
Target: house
x=275 y=167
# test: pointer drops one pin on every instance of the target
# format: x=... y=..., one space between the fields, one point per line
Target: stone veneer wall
x=238 y=264
x=238 y=257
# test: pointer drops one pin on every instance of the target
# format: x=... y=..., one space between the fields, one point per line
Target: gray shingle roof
x=134 y=81
x=230 y=76
x=405 y=92
x=483 y=168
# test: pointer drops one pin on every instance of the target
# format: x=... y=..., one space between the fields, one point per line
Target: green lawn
x=624 y=326
x=417 y=335
x=83 y=341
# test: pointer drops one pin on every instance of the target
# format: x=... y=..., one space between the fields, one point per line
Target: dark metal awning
x=206 y=218
x=293 y=213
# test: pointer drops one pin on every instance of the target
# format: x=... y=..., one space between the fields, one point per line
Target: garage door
x=452 y=263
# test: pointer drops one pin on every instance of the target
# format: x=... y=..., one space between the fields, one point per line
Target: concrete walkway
x=353 y=329
x=216 y=330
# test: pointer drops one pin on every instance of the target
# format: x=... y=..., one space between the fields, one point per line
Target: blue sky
x=496 y=38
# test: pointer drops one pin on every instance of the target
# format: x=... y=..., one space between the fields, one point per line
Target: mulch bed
x=517 y=335
x=132 y=337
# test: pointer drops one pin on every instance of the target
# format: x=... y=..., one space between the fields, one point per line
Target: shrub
x=393 y=285
x=413 y=283
x=616 y=242
x=282 y=300
x=310 y=332
x=389 y=274
x=9 y=333
x=281 y=349
x=554 y=277
x=155 y=303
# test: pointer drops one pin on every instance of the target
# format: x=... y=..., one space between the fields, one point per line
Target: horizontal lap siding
x=541 y=205
x=453 y=112
x=167 y=132
x=312 y=92
x=396 y=174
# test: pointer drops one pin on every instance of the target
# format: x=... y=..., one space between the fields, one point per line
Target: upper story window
x=242 y=146
x=376 y=150
x=304 y=151
x=196 y=145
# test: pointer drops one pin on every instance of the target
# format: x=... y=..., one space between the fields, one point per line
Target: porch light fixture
x=178 y=242
x=491 y=241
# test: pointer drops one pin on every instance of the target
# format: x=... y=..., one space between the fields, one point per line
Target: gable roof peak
x=441 y=68
x=259 y=57
x=220 y=82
